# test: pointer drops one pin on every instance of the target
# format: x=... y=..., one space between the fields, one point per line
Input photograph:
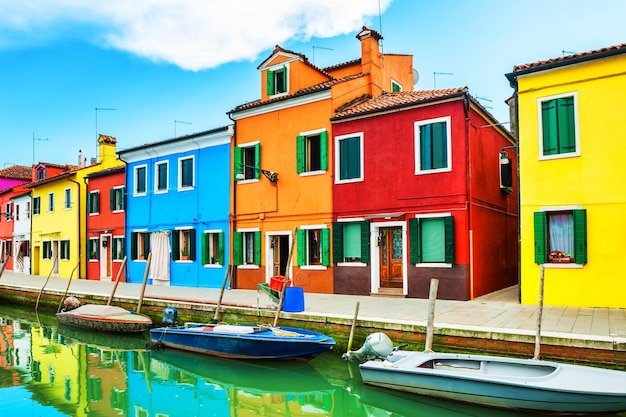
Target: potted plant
x=184 y=254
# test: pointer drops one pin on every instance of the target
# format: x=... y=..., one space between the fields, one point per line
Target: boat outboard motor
x=170 y=316
x=376 y=346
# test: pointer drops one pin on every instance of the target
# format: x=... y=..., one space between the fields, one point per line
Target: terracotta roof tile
x=564 y=60
x=389 y=101
x=17 y=172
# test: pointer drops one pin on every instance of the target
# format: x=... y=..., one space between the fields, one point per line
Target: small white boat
x=522 y=384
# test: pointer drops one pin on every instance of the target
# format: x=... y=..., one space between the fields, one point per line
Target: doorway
x=390 y=252
x=106 y=257
x=278 y=253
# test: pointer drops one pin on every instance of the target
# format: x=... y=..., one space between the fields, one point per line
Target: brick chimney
x=371 y=59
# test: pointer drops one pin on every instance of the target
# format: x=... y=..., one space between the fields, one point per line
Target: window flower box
x=558 y=257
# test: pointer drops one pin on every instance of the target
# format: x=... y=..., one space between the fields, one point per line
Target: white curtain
x=160 y=263
x=562 y=233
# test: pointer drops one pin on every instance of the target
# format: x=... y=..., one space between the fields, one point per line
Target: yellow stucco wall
x=592 y=181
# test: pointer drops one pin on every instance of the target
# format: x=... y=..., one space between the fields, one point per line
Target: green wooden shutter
x=175 y=245
x=123 y=197
x=449 y=239
x=285 y=75
x=146 y=244
x=112 y=199
x=337 y=242
x=271 y=89
x=204 y=248
x=301 y=242
x=300 y=154
x=567 y=125
x=257 y=160
x=549 y=127
x=220 y=248
x=440 y=145
x=192 y=244
x=540 y=237
x=257 y=248
x=326 y=247
x=365 y=242
x=580 y=236
x=237 y=156
x=133 y=245
x=237 y=248
x=324 y=150
x=414 y=252
x=68 y=249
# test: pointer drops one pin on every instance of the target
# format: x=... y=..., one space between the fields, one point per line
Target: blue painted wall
x=204 y=207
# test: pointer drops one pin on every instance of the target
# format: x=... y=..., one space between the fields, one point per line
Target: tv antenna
x=485 y=99
x=179 y=121
x=435 y=77
x=319 y=47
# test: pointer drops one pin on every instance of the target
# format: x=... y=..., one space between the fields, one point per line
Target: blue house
x=177 y=209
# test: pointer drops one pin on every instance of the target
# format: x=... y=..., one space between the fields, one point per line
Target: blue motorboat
x=243 y=341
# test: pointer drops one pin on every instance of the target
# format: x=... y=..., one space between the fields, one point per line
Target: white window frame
x=274 y=68
x=394 y=82
x=540 y=100
x=51 y=202
x=213 y=233
x=95 y=213
x=135 y=169
x=243 y=146
x=180 y=173
x=417 y=125
x=245 y=265
x=115 y=189
x=316 y=132
x=353 y=220
x=38 y=198
x=308 y=265
x=338 y=139
x=433 y=264
x=156 y=177
x=67 y=199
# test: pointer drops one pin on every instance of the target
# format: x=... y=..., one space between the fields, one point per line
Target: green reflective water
x=49 y=371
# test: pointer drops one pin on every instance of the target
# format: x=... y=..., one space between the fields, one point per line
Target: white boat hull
x=522 y=384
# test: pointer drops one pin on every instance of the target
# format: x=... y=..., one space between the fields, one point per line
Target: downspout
x=80 y=261
x=233 y=215
x=124 y=201
x=466 y=108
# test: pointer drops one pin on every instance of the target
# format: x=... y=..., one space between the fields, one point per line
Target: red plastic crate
x=277 y=282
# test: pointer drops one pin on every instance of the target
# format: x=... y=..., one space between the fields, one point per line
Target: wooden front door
x=390 y=252
x=280 y=254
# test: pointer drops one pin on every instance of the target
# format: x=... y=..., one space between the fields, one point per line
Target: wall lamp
x=270 y=175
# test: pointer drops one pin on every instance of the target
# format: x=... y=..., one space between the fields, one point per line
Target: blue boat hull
x=262 y=343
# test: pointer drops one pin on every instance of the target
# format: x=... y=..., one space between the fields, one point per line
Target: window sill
x=181 y=189
x=247 y=181
x=247 y=266
x=433 y=265
x=213 y=266
x=568 y=265
x=352 y=264
x=313 y=267
x=312 y=173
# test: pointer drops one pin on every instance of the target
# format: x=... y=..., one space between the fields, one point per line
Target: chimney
x=371 y=59
x=81 y=159
x=107 y=149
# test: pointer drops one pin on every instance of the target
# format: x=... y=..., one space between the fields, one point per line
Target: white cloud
x=193 y=34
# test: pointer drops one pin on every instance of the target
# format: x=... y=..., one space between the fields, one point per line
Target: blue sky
x=176 y=67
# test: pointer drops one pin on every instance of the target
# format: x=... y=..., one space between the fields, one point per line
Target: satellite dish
x=416 y=76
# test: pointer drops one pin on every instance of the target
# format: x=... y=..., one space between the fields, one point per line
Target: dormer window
x=277 y=81
x=395 y=86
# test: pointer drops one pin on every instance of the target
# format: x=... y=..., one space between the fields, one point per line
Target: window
x=349 y=160
x=47 y=249
x=351 y=242
x=431 y=240
x=184 y=245
x=312 y=152
x=93 y=246
x=139 y=245
x=433 y=151
x=247 y=162
x=65 y=250
x=67 y=203
x=277 y=81
x=40 y=174
x=313 y=246
x=50 y=202
x=140 y=180
x=185 y=173
x=160 y=177
x=558 y=126
x=28 y=209
x=93 y=202
x=116 y=198
x=561 y=236
x=247 y=248
x=118 y=248
x=17 y=212
x=36 y=205
x=213 y=248
x=395 y=86
x=8 y=212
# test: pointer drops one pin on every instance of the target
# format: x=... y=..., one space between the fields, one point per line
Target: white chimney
x=81 y=159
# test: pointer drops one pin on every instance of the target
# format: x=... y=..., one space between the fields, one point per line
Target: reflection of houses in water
x=14 y=353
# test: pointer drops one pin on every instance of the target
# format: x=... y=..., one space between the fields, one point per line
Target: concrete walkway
x=497 y=313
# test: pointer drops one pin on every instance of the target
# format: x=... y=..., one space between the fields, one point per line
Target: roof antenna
x=564 y=52
x=380 y=26
x=318 y=47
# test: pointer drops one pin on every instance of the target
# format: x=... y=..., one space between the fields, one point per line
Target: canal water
x=52 y=371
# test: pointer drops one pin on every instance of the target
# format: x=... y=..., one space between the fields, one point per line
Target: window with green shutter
x=432 y=145
x=558 y=126
x=247 y=248
x=313 y=247
x=116 y=199
x=351 y=242
x=312 y=152
x=277 y=81
x=65 y=250
x=118 y=248
x=560 y=236
x=247 y=161
x=93 y=202
x=212 y=248
x=431 y=240
x=139 y=245
x=184 y=244
x=349 y=158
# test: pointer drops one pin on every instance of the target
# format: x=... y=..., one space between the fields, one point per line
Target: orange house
x=282 y=160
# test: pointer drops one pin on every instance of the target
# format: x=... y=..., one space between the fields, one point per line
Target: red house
x=105 y=223
x=424 y=188
x=12 y=179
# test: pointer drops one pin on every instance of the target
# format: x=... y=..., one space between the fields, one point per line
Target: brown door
x=390 y=252
x=280 y=254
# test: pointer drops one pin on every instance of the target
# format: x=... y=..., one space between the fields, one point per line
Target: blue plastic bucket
x=294 y=300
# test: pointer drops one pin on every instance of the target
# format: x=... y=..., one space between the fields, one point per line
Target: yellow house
x=286 y=136
x=59 y=205
x=572 y=147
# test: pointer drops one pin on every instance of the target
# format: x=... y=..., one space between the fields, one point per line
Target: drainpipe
x=466 y=110
x=233 y=222
x=80 y=261
x=124 y=202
